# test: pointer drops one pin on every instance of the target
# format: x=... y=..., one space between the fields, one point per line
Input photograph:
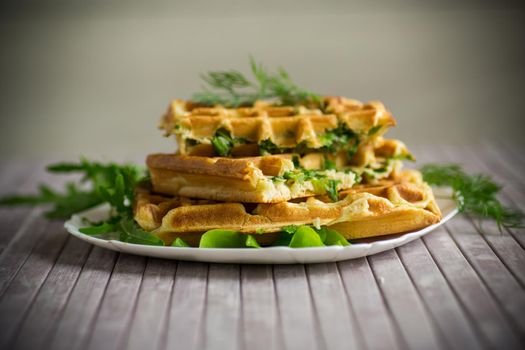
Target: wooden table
x=458 y=287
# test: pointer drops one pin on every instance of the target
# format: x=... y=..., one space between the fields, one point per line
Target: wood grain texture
x=460 y=287
x=73 y=329
x=299 y=323
x=336 y=320
x=187 y=306
x=438 y=297
x=403 y=301
x=259 y=308
x=373 y=320
x=111 y=325
x=149 y=320
x=471 y=291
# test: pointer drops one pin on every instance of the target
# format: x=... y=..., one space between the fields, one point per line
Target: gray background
x=92 y=77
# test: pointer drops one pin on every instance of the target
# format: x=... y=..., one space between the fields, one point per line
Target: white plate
x=271 y=255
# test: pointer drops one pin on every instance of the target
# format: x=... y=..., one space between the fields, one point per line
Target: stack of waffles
x=258 y=169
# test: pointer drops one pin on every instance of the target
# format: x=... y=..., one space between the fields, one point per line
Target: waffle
x=287 y=127
x=402 y=204
x=263 y=179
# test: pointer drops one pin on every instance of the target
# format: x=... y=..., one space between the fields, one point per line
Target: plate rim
x=120 y=246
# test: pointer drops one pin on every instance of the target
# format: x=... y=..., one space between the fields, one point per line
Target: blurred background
x=93 y=77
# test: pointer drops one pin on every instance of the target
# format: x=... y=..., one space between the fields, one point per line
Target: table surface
x=459 y=287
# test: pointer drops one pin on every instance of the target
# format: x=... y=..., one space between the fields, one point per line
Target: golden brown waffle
x=252 y=180
x=403 y=204
x=263 y=179
x=287 y=127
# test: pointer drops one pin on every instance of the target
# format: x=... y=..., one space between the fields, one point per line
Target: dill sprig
x=475 y=194
x=232 y=89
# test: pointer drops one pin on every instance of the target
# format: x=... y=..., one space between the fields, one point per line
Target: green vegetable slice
x=332 y=237
x=306 y=236
x=227 y=239
x=179 y=242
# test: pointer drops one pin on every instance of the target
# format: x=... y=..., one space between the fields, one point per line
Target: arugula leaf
x=130 y=232
x=77 y=197
x=104 y=227
x=475 y=194
x=179 y=242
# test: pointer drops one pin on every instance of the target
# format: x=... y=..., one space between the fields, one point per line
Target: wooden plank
x=223 y=308
x=16 y=222
x=368 y=306
x=187 y=306
x=299 y=326
x=482 y=249
x=513 y=170
x=20 y=247
x=404 y=302
x=470 y=291
x=149 y=320
x=438 y=297
x=513 y=191
x=336 y=319
x=19 y=294
x=73 y=329
x=112 y=322
x=259 y=308
x=15 y=177
x=41 y=320
x=507 y=291
x=505 y=245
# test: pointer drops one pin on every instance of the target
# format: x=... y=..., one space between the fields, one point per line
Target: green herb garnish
x=233 y=89
x=101 y=183
x=331 y=189
x=268 y=147
x=222 y=143
x=374 y=130
x=475 y=194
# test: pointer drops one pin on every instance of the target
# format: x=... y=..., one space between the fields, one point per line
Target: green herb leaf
x=374 y=130
x=179 y=242
x=102 y=228
x=329 y=164
x=268 y=147
x=233 y=89
x=221 y=145
x=290 y=229
x=475 y=194
x=251 y=242
x=130 y=232
x=331 y=189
